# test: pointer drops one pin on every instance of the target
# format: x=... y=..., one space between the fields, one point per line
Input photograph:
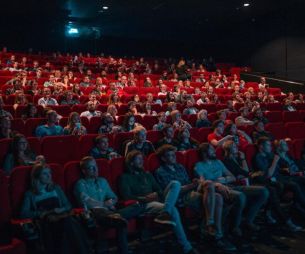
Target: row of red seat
x=60 y=149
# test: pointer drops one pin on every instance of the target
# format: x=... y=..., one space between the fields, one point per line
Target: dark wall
x=285 y=57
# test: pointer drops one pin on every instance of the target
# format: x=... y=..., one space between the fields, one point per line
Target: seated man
x=216 y=138
x=168 y=137
x=101 y=150
x=137 y=184
x=50 y=128
x=190 y=109
x=210 y=168
x=139 y=142
x=91 y=112
x=46 y=100
x=197 y=195
x=94 y=193
x=243 y=120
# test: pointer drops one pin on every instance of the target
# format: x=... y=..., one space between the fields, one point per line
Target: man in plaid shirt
x=197 y=194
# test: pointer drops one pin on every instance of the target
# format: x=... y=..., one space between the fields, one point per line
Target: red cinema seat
x=195 y=134
x=60 y=149
x=203 y=134
x=292 y=116
x=300 y=106
x=149 y=121
x=34 y=144
x=120 y=140
x=274 y=116
x=276 y=129
x=79 y=108
x=31 y=125
x=94 y=124
x=154 y=136
x=192 y=157
x=86 y=142
x=299 y=146
x=17 y=124
x=295 y=130
x=63 y=110
x=117 y=166
x=123 y=109
x=250 y=151
x=4 y=149
x=15 y=246
x=209 y=107
x=274 y=106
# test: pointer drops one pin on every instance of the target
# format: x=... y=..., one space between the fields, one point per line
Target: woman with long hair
x=74 y=126
x=47 y=203
x=20 y=154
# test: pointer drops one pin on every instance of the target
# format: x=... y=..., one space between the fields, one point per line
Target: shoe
x=224 y=245
x=269 y=219
x=293 y=227
x=117 y=220
x=165 y=219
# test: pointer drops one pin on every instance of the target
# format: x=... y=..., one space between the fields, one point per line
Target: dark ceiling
x=176 y=19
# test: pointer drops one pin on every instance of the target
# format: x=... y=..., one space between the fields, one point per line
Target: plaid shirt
x=164 y=175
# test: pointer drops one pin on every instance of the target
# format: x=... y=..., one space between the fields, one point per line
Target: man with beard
x=91 y=112
x=214 y=170
x=199 y=195
x=136 y=184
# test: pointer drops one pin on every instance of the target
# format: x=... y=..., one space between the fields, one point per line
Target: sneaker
x=117 y=220
x=165 y=219
x=269 y=218
x=224 y=245
x=293 y=227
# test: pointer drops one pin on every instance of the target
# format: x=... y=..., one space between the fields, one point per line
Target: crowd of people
x=217 y=187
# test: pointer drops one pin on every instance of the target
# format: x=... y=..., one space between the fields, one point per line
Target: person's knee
x=209 y=186
x=241 y=199
x=175 y=184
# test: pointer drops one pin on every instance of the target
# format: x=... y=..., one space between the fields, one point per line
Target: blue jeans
x=171 y=194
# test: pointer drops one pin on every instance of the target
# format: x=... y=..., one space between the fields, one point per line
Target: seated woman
x=240 y=138
x=129 y=123
x=30 y=112
x=20 y=100
x=48 y=205
x=114 y=99
x=161 y=122
x=74 y=126
x=168 y=137
x=5 y=127
x=139 y=142
x=259 y=131
x=202 y=119
x=178 y=122
x=20 y=154
x=112 y=110
x=107 y=125
x=101 y=149
x=147 y=110
x=132 y=107
x=171 y=106
x=184 y=141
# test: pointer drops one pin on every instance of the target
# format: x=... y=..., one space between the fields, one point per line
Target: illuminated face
x=138 y=161
x=103 y=144
x=267 y=147
x=22 y=145
x=169 y=157
x=211 y=152
x=52 y=117
x=219 y=129
x=233 y=129
x=131 y=121
x=141 y=136
x=90 y=169
x=45 y=176
x=75 y=119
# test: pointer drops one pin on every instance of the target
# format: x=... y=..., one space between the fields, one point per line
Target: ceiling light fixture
x=246 y=4
x=105 y=7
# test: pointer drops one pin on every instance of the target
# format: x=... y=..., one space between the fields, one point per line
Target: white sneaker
x=293 y=227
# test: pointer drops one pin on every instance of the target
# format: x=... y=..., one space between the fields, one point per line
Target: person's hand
x=276 y=158
x=152 y=197
x=109 y=203
x=241 y=155
x=223 y=190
